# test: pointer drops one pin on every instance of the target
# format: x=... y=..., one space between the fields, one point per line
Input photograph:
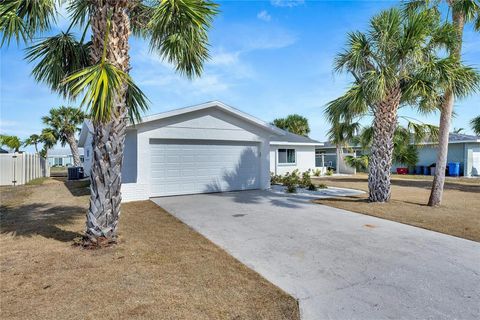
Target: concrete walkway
x=339 y=264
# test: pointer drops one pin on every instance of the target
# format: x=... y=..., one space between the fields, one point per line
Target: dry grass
x=459 y=214
x=161 y=269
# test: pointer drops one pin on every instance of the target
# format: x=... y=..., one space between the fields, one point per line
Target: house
x=291 y=151
x=62 y=157
x=204 y=148
x=462 y=148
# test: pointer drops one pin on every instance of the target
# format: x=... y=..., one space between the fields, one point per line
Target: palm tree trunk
x=458 y=19
x=338 y=160
x=109 y=138
x=380 y=164
x=74 y=149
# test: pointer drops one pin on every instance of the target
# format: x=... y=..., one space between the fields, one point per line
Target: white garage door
x=186 y=167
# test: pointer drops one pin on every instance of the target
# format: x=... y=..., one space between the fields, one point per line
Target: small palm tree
x=49 y=140
x=293 y=123
x=97 y=72
x=11 y=142
x=475 y=123
x=396 y=63
x=64 y=123
x=341 y=134
x=33 y=140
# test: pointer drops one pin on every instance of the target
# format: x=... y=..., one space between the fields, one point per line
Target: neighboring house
x=62 y=157
x=462 y=148
x=291 y=151
x=205 y=148
x=3 y=150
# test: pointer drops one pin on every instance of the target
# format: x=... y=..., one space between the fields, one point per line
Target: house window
x=286 y=156
x=88 y=153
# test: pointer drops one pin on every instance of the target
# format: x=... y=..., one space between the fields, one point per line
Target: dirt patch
x=161 y=269
x=459 y=214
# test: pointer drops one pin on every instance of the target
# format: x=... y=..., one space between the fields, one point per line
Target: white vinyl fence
x=20 y=168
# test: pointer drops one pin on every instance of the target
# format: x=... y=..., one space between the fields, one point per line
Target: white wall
x=206 y=124
x=87 y=155
x=304 y=156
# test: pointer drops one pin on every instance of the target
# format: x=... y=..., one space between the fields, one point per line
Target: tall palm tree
x=475 y=123
x=33 y=140
x=293 y=123
x=462 y=11
x=395 y=64
x=341 y=134
x=64 y=123
x=11 y=142
x=98 y=71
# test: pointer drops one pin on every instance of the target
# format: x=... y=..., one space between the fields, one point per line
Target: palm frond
x=349 y=106
x=78 y=11
x=100 y=84
x=22 y=19
x=179 y=32
x=57 y=57
x=475 y=123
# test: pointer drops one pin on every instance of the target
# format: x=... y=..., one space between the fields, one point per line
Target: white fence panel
x=20 y=168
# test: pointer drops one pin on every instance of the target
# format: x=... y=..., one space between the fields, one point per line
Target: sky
x=268 y=58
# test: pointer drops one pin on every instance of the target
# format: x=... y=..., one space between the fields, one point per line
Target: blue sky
x=269 y=58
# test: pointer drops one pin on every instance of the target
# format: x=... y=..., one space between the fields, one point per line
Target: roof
x=452 y=139
x=62 y=152
x=216 y=105
x=289 y=138
x=88 y=127
x=3 y=150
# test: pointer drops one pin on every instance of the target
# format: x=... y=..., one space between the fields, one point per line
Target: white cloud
x=287 y=3
x=263 y=15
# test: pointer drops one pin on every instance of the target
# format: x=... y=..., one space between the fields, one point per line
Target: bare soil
x=161 y=269
x=459 y=214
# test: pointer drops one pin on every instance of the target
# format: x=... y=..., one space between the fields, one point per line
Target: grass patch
x=37 y=181
x=458 y=215
x=161 y=268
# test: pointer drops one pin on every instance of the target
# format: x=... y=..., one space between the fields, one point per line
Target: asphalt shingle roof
x=292 y=137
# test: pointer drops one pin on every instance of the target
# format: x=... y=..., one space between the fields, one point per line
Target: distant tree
x=359 y=163
x=65 y=123
x=33 y=140
x=293 y=123
x=475 y=123
x=458 y=130
x=11 y=142
x=48 y=139
x=341 y=134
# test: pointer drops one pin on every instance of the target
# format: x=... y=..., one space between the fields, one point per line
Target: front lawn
x=161 y=268
x=459 y=214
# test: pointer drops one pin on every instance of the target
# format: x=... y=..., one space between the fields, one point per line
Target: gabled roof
x=216 y=105
x=289 y=138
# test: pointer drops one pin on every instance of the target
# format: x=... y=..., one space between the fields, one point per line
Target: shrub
x=275 y=179
x=312 y=187
x=317 y=172
x=329 y=172
x=306 y=181
x=291 y=181
x=322 y=186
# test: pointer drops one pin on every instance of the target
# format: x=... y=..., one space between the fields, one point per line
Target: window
x=88 y=153
x=286 y=156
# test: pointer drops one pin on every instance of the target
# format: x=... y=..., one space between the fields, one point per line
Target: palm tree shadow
x=244 y=177
x=40 y=219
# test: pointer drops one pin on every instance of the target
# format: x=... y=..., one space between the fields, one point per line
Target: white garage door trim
x=179 y=167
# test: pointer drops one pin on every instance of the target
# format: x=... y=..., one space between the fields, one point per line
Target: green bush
x=322 y=186
x=306 y=180
x=291 y=181
x=275 y=179
x=317 y=172
x=312 y=187
x=329 y=172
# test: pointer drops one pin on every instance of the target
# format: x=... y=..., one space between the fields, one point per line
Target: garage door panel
x=186 y=168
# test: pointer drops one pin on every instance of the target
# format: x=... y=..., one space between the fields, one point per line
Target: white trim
x=286 y=164
x=450 y=142
x=284 y=143
x=212 y=104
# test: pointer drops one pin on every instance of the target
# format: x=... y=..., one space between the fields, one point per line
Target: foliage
x=312 y=187
x=275 y=179
x=305 y=180
x=475 y=123
x=48 y=139
x=342 y=133
x=64 y=122
x=293 y=123
x=11 y=142
x=359 y=163
x=321 y=186
x=329 y=172
x=317 y=172
x=291 y=181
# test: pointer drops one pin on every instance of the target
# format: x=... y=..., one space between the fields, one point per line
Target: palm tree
x=341 y=134
x=64 y=123
x=49 y=140
x=458 y=130
x=396 y=63
x=11 y=142
x=293 y=123
x=33 y=140
x=475 y=123
x=462 y=11
x=98 y=71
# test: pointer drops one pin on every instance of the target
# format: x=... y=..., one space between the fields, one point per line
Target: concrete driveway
x=339 y=264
